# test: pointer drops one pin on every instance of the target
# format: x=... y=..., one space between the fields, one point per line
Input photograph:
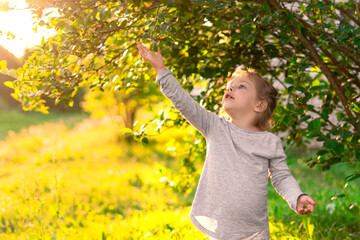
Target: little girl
x=230 y=202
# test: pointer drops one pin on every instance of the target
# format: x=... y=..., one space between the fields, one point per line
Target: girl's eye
x=242 y=86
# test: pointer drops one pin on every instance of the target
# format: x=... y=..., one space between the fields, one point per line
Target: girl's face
x=240 y=96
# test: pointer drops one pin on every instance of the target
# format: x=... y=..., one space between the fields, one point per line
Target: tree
x=315 y=42
x=123 y=102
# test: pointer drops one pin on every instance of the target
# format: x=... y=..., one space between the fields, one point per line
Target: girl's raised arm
x=193 y=112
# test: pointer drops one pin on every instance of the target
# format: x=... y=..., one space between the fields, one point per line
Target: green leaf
x=212 y=2
x=357 y=42
x=126 y=131
x=309 y=7
x=71 y=102
x=331 y=143
x=326 y=7
x=12 y=73
x=146 y=35
x=266 y=20
x=353 y=205
x=291 y=18
x=320 y=4
x=145 y=140
x=129 y=90
x=154 y=46
x=284 y=39
x=314 y=124
x=354 y=107
x=334 y=145
x=246 y=29
x=352 y=177
x=198 y=2
x=267 y=8
x=340 y=195
x=289 y=80
x=322 y=152
x=355 y=139
x=303 y=31
x=287 y=118
x=3 y=65
x=123 y=23
x=9 y=84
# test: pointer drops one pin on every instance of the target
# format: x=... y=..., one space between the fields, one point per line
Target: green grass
x=83 y=183
x=81 y=180
x=332 y=219
x=15 y=120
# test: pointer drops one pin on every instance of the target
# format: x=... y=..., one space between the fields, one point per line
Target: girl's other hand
x=305 y=204
x=155 y=58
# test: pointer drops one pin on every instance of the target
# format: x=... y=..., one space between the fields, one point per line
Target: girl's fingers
x=144 y=51
x=312 y=208
x=140 y=46
x=144 y=48
x=311 y=201
x=308 y=209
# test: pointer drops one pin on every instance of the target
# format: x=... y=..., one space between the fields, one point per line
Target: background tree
x=315 y=43
x=124 y=105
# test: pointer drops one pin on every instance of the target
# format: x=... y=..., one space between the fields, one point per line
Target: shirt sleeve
x=200 y=118
x=281 y=178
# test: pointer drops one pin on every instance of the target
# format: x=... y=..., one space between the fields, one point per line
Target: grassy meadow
x=75 y=177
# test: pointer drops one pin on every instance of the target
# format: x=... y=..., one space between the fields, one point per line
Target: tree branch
x=329 y=75
x=350 y=15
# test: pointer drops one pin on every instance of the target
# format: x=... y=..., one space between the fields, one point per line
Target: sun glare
x=20 y=23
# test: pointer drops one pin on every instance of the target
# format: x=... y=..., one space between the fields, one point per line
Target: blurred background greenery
x=120 y=163
x=75 y=176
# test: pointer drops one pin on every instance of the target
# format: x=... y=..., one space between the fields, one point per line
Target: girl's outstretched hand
x=305 y=204
x=155 y=58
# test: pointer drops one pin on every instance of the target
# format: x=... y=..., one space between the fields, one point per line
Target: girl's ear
x=261 y=106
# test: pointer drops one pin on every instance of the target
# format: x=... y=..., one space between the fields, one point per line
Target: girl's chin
x=229 y=109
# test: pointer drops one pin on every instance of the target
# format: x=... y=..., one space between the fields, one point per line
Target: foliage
x=315 y=43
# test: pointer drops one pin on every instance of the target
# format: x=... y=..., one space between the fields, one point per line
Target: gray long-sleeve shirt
x=230 y=201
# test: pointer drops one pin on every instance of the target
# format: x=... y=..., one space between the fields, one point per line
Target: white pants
x=255 y=236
